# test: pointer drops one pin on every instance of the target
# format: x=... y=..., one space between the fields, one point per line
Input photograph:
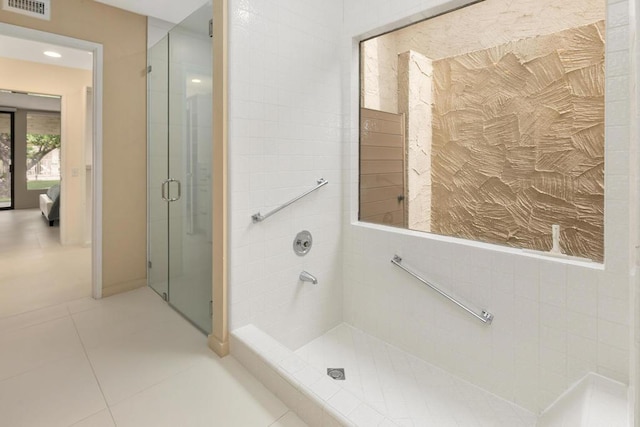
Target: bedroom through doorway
x=46 y=249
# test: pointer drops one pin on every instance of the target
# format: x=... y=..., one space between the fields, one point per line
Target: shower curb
x=293 y=380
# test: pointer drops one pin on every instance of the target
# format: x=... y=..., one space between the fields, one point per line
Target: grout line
x=43 y=363
x=86 y=354
x=86 y=418
x=281 y=417
x=38 y=323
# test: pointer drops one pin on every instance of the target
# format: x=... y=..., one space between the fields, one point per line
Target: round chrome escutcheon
x=302 y=243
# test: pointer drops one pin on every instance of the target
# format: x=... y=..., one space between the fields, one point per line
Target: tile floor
x=402 y=387
x=127 y=360
x=36 y=271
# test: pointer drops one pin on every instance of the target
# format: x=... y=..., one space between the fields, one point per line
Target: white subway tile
x=581 y=348
x=618 y=15
x=613 y=359
x=614 y=334
x=553 y=293
x=613 y=309
x=582 y=290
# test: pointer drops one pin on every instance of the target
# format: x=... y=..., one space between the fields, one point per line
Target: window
x=487 y=123
x=43 y=150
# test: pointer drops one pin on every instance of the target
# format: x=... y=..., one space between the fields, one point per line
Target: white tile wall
x=634 y=295
x=594 y=401
x=293 y=102
x=285 y=133
x=554 y=321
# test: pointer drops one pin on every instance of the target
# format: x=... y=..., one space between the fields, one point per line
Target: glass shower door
x=158 y=167
x=190 y=163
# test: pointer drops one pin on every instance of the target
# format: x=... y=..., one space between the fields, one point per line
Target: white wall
x=285 y=133
x=554 y=320
x=156 y=30
x=634 y=294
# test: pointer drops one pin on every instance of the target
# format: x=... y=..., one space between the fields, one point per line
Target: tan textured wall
x=495 y=22
x=123 y=35
x=519 y=143
x=488 y=23
x=415 y=93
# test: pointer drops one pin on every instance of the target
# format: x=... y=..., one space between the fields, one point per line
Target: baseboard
x=119 y=288
x=219 y=347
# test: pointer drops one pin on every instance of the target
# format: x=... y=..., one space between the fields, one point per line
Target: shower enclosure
x=179 y=168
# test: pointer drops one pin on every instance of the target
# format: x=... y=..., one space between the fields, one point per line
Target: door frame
x=97 y=52
x=11 y=112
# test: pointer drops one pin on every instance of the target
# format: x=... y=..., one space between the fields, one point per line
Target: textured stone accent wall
x=379 y=79
x=518 y=143
x=415 y=99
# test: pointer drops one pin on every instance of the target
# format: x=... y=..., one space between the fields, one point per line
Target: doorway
x=6 y=160
x=81 y=169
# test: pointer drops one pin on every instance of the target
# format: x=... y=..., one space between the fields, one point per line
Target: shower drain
x=336 y=373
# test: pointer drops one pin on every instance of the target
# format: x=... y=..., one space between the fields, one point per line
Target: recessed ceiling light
x=53 y=54
x=196 y=81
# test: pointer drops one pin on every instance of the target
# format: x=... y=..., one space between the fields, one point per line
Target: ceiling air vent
x=34 y=8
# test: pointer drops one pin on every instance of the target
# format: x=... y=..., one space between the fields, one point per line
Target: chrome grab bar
x=259 y=217
x=484 y=315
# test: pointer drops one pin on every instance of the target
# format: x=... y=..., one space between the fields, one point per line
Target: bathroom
x=340 y=332
x=293 y=118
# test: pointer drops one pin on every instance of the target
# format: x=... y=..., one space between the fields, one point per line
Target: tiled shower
x=294 y=91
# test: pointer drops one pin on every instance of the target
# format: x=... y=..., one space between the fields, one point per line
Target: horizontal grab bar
x=259 y=217
x=484 y=315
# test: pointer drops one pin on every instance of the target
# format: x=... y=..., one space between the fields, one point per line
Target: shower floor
x=405 y=389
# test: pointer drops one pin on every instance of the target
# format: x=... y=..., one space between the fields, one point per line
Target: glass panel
x=190 y=139
x=491 y=136
x=43 y=150
x=6 y=155
x=158 y=163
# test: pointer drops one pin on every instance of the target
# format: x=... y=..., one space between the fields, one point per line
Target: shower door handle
x=163 y=190
x=175 y=199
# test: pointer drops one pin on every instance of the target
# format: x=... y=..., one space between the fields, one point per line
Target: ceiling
x=28 y=50
x=167 y=10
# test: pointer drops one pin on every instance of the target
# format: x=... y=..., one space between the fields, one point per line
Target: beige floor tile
x=141 y=359
x=32 y=318
x=29 y=348
x=58 y=393
x=35 y=270
x=117 y=317
x=101 y=419
x=214 y=392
